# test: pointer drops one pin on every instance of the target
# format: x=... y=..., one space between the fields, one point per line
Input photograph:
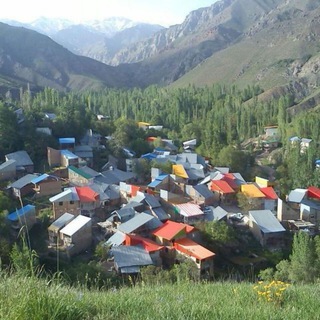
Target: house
x=85 y=155
x=160 y=182
x=45 y=185
x=127 y=190
x=115 y=176
x=215 y=214
x=76 y=236
x=109 y=195
x=263 y=183
x=56 y=226
x=310 y=211
x=24 y=217
x=190 y=144
x=136 y=224
x=253 y=193
x=150 y=246
x=44 y=130
x=89 y=200
x=122 y=215
x=23 y=161
x=304 y=144
x=67 y=143
x=200 y=194
x=50 y=116
x=78 y=177
x=222 y=191
x=8 y=170
x=23 y=186
x=286 y=212
x=295 y=197
x=129 y=259
x=66 y=201
x=202 y=257
x=266 y=228
x=270 y=201
x=190 y=213
x=91 y=139
x=171 y=231
x=271 y=131
x=68 y=158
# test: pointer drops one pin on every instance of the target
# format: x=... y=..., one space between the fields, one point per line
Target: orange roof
x=314 y=192
x=221 y=186
x=86 y=194
x=170 y=229
x=151 y=139
x=269 y=193
x=179 y=171
x=134 y=190
x=193 y=249
x=148 y=245
x=252 y=191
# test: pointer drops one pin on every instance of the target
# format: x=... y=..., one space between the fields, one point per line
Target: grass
x=30 y=298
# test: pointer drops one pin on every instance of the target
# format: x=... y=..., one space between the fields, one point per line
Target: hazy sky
x=164 y=12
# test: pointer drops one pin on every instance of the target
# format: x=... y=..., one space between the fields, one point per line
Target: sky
x=163 y=12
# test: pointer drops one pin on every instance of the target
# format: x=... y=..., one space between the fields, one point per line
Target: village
x=151 y=222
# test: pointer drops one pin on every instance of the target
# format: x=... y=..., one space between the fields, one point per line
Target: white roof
x=266 y=221
x=75 y=225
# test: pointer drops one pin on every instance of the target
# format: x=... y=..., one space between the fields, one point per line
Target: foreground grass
x=30 y=298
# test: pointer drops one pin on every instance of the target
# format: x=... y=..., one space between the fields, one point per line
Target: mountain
x=30 y=57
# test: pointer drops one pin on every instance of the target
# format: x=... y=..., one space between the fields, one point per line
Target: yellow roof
x=179 y=171
x=142 y=124
x=251 y=191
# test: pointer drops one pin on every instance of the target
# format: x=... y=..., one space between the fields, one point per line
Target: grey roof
x=310 y=203
x=90 y=171
x=223 y=169
x=195 y=174
x=83 y=151
x=116 y=239
x=69 y=194
x=22 y=158
x=219 y=213
x=133 y=204
x=192 y=158
x=131 y=256
x=266 y=221
x=23 y=181
x=7 y=164
x=203 y=190
x=136 y=222
x=154 y=223
x=152 y=201
x=106 y=191
x=61 y=222
x=115 y=176
x=160 y=213
x=297 y=195
x=125 y=214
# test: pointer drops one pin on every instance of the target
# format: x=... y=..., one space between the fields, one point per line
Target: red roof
x=170 y=229
x=86 y=194
x=269 y=193
x=314 y=192
x=134 y=190
x=193 y=249
x=221 y=186
x=231 y=180
x=151 y=139
x=147 y=244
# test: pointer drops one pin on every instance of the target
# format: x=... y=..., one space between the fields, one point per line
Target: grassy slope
x=23 y=298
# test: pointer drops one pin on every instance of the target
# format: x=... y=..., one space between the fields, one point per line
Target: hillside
x=29 y=57
x=29 y=298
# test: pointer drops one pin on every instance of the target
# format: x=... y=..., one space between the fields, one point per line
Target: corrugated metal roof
x=169 y=230
x=314 y=192
x=116 y=239
x=154 y=183
x=131 y=256
x=68 y=154
x=179 y=171
x=22 y=158
x=80 y=172
x=15 y=215
x=147 y=244
x=221 y=186
x=252 y=191
x=135 y=223
x=195 y=174
x=189 y=209
x=297 y=195
x=160 y=213
x=67 y=140
x=69 y=194
x=7 y=164
x=61 y=222
x=266 y=221
x=193 y=249
x=269 y=193
x=204 y=191
x=152 y=201
x=75 y=225
x=219 y=213
x=40 y=178
x=86 y=194
x=23 y=181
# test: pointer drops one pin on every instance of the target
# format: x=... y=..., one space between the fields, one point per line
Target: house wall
x=88 y=208
x=78 y=180
x=54 y=157
x=270 y=204
x=285 y=212
x=255 y=229
x=8 y=173
x=82 y=239
x=65 y=162
x=310 y=214
x=59 y=208
x=23 y=191
x=28 y=219
x=46 y=188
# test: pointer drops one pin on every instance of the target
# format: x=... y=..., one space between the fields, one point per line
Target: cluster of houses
x=153 y=223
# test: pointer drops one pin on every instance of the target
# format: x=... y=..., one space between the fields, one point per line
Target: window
x=71 y=202
x=61 y=203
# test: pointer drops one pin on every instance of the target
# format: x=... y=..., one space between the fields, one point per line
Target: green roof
x=80 y=172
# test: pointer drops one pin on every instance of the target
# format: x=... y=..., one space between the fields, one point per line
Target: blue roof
x=40 y=178
x=67 y=140
x=68 y=154
x=14 y=216
x=148 y=156
x=154 y=183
